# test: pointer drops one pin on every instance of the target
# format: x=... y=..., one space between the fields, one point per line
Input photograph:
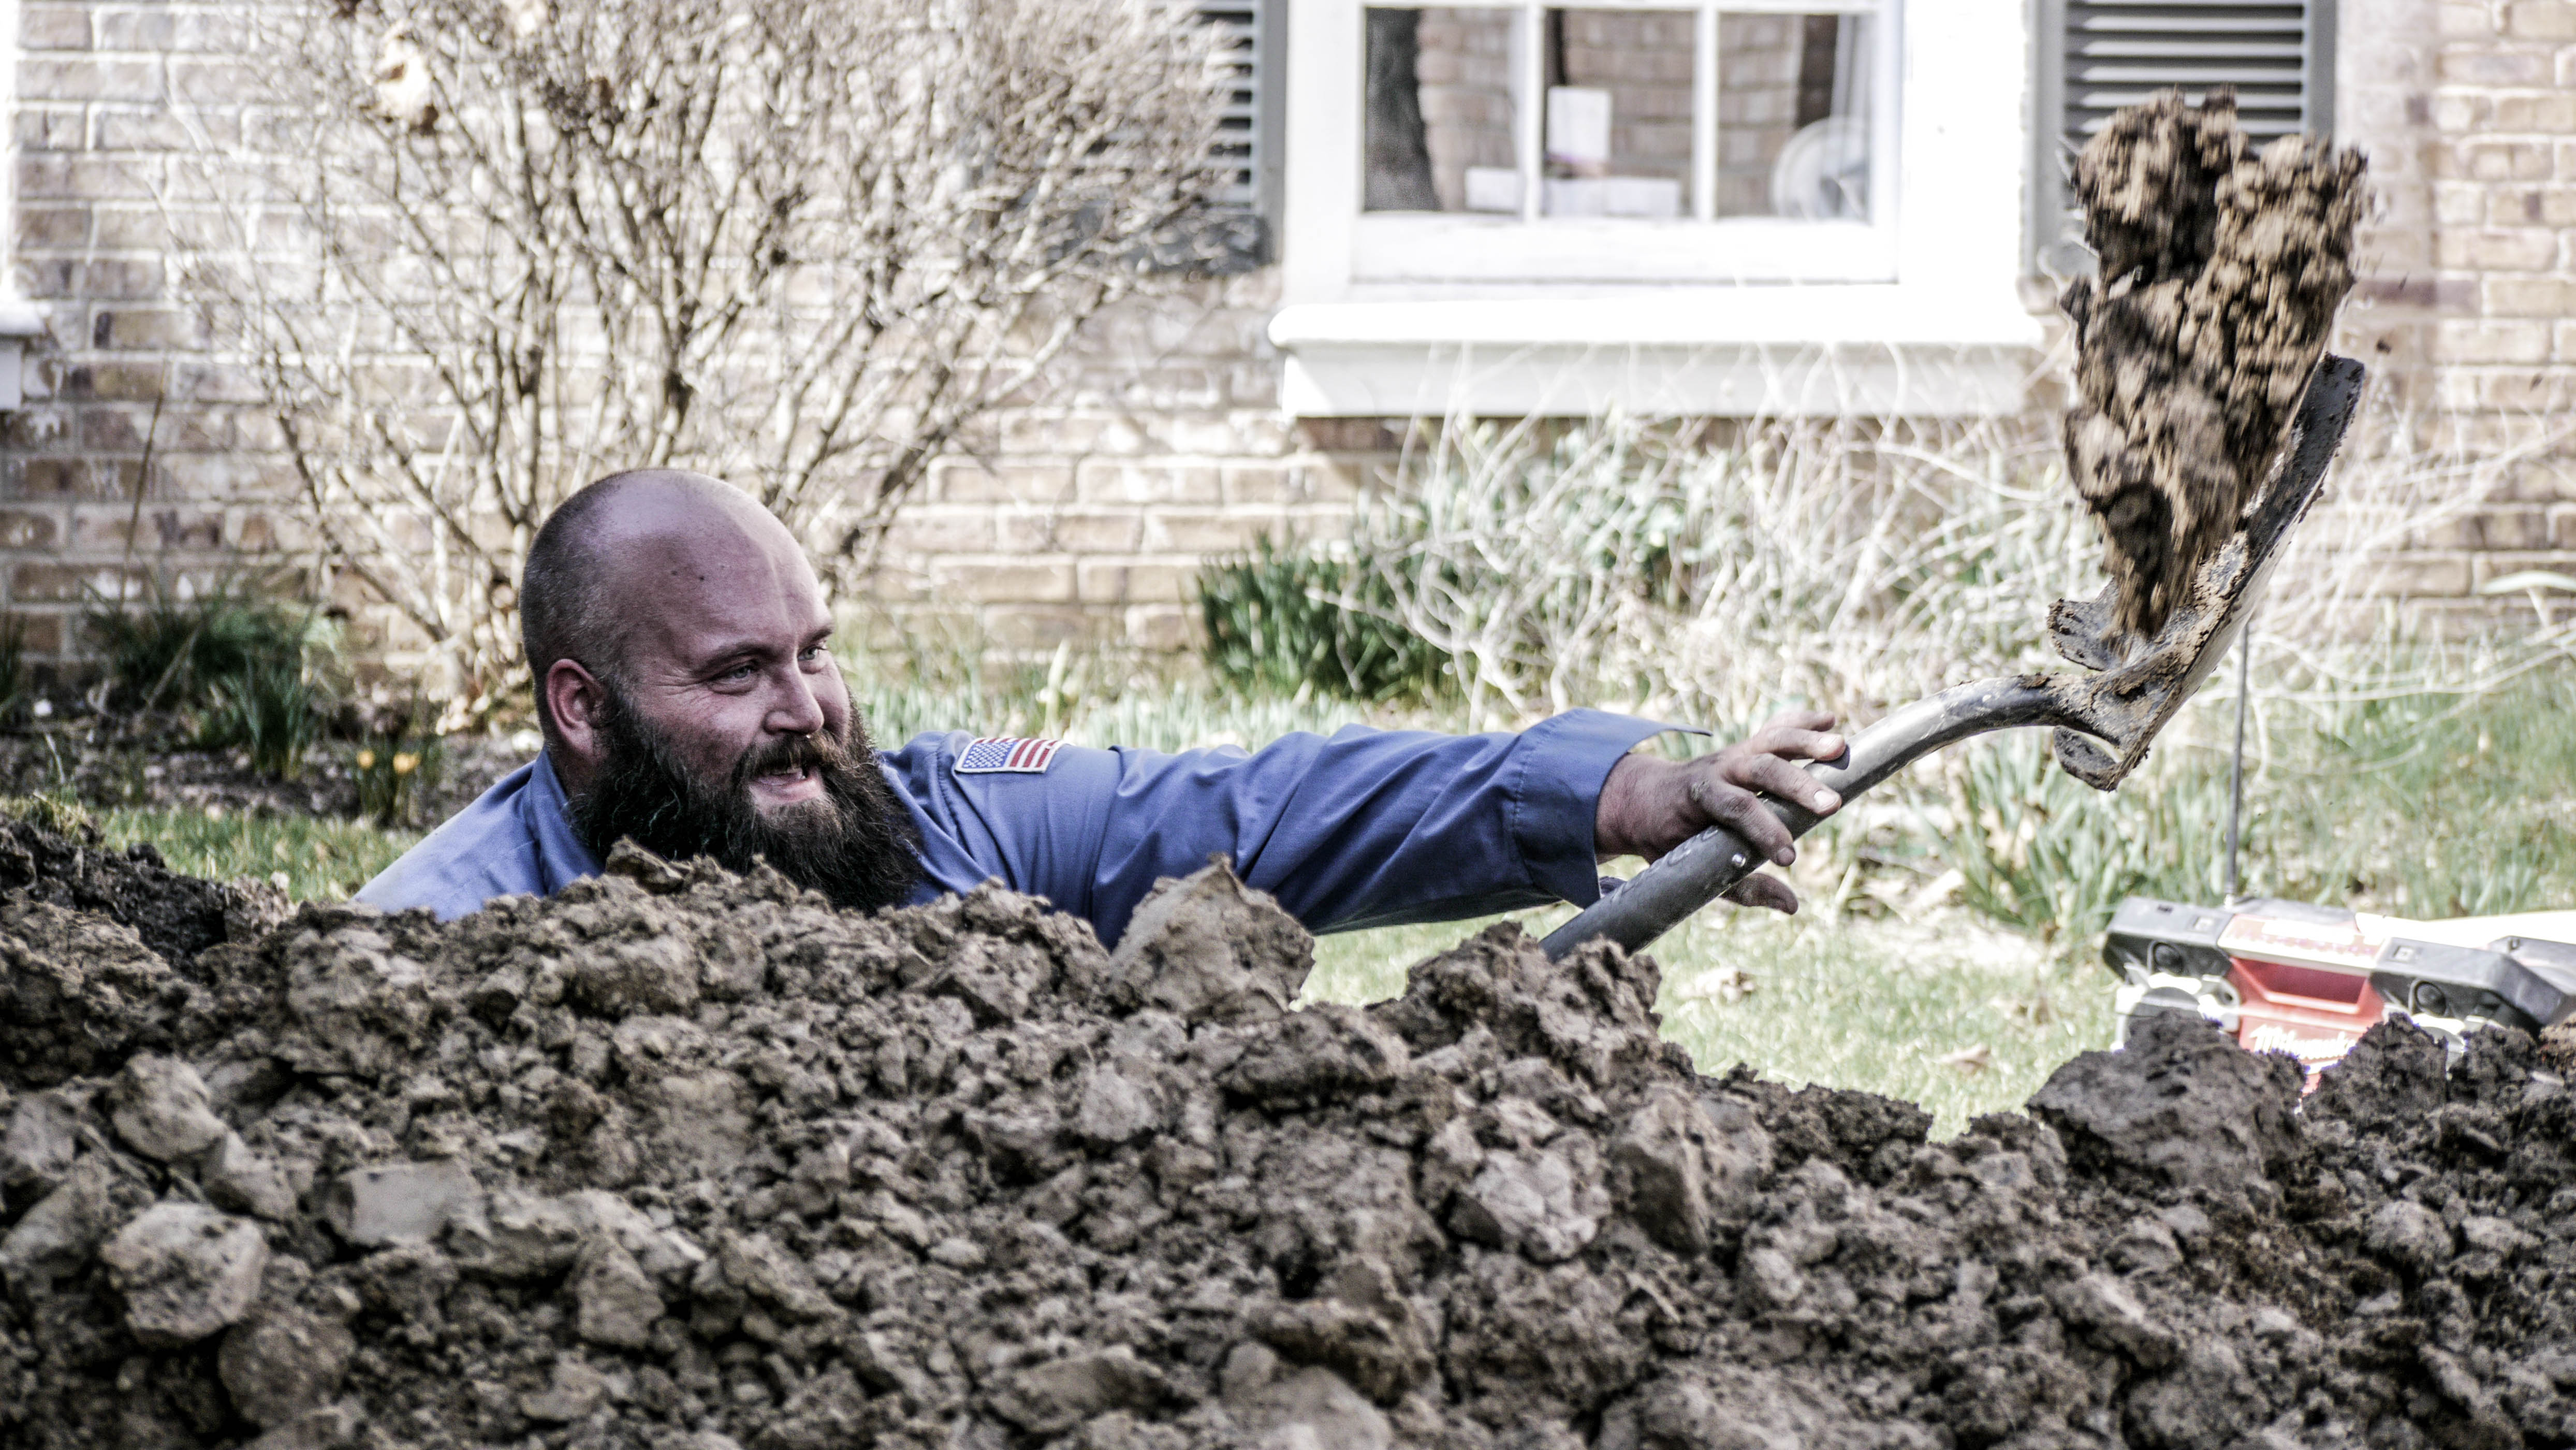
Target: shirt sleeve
x=1364 y=828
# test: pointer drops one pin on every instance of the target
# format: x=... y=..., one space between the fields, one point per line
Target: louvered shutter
x=2099 y=55
x=1235 y=235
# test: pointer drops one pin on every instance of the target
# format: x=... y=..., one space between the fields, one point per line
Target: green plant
x=1296 y=622
x=240 y=667
x=400 y=758
x=13 y=667
x=2038 y=850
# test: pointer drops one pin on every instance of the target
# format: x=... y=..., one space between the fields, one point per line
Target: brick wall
x=133 y=456
x=1161 y=442
x=2467 y=306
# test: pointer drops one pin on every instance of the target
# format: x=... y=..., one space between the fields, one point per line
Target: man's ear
x=575 y=698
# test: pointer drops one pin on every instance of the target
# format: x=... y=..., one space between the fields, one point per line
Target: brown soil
x=677 y=1159
x=2220 y=271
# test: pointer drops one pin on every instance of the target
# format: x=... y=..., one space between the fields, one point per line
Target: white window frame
x=1918 y=310
x=1465 y=247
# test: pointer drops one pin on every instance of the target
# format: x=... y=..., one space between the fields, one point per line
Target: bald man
x=690 y=703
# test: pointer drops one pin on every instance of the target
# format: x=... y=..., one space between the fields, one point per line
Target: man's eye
x=811 y=654
x=739 y=672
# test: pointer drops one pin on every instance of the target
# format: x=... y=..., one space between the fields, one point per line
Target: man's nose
x=797 y=709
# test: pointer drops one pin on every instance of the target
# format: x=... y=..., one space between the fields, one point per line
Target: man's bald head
x=579 y=597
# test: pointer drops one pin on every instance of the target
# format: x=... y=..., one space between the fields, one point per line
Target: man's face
x=852 y=840
x=726 y=655
x=723 y=728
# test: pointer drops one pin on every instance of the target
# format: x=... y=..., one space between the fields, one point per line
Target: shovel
x=2104 y=720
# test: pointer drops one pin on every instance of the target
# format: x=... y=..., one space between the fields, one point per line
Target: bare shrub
x=484 y=252
x=1714 y=572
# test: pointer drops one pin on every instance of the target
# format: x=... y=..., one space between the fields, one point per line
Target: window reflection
x=1438 y=131
x=1793 y=116
x=1619 y=104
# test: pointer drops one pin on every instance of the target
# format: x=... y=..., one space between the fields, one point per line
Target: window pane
x=1619 y=93
x=1438 y=124
x=1793 y=115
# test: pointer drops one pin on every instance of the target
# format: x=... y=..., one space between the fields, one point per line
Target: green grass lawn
x=320 y=859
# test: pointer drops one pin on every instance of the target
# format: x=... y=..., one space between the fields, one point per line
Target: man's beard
x=856 y=844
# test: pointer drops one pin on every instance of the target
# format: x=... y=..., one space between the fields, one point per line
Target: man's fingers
x=1739 y=810
x=1768 y=892
x=1781 y=780
x=1798 y=743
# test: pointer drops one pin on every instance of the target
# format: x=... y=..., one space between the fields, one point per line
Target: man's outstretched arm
x=1365 y=828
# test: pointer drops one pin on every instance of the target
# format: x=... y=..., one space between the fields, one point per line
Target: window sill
x=1882 y=350
x=20 y=323
x=1570 y=249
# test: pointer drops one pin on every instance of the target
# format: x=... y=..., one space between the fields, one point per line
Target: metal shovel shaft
x=1704 y=867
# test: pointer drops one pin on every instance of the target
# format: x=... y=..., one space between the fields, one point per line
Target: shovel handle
x=1701 y=869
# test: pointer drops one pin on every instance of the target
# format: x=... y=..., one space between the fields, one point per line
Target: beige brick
x=2499 y=249
x=54 y=27
x=2552 y=113
x=1227 y=531
x=999 y=581
x=937 y=529
x=1148 y=483
x=73 y=583
x=1113 y=581
x=270 y=531
x=160 y=529
x=53 y=226
x=2541 y=20
x=212 y=476
x=44 y=631
x=211 y=81
x=2460 y=112
x=2464 y=203
x=962 y=480
x=1110 y=530
x=90 y=78
x=2515 y=526
x=1263 y=483
x=29 y=528
x=2501 y=161
x=2465 y=22
x=2502 y=341
x=2495 y=68
x=1165 y=628
x=1032 y=629
x=2408 y=575
x=147 y=30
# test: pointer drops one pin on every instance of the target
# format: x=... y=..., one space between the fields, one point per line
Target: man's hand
x=1649 y=806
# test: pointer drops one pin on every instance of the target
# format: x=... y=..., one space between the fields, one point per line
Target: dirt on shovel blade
x=2220 y=271
x=690 y=1161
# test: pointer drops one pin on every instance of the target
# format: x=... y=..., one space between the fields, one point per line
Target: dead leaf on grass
x=1717 y=984
x=1968 y=1060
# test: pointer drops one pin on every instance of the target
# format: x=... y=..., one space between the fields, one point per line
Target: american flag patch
x=999 y=755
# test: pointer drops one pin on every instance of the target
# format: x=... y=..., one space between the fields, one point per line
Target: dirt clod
x=688 y=1161
x=2220 y=269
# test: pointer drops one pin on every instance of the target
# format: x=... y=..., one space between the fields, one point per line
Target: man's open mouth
x=795 y=783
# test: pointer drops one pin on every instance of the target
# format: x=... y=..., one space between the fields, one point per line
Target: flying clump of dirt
x=689 y=1161
x=2221 y=268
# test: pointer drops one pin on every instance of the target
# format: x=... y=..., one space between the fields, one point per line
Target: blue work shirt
x=1366 y=828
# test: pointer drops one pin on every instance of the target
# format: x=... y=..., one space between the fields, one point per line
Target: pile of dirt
x=2220 y=269
x=55 y=856
x=679 y=1159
